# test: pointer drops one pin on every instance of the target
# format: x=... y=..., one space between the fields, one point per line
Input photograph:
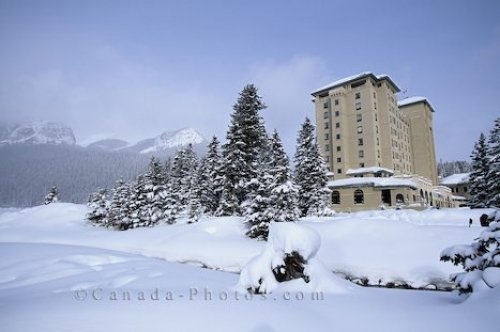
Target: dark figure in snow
x=51 y=196
x=470 y=222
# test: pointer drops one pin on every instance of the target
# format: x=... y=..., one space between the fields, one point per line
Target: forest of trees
x=447 y=168
x=485 y=175
x=28 y=171
x=249 y=176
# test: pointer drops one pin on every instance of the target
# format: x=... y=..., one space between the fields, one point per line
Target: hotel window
x=337 y=125
x=358 y=106
x=376 y=117
x=325 y=115
x=339 y=160
x=336 y=102
x=338 y=148
x=335 y=197
x=337 y=113
x=362 y=165
x=327 y=159
x=358 y=95
x=360 y=142
x=325 y=104
x=326 y=125
x=359 y=197
x=374 y=95
x=337 y=136
x=327 y=147
x=378 y=142
x=378 y=154
x=374 y=105
x=339 y=171
x=359 y=117
x=327 y=136
x=361 y=154
x=360 y=129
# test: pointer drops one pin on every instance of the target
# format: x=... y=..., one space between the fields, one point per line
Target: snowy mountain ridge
x=169 y=140
x=41 y=132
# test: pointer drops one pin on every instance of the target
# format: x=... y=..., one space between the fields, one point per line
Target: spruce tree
x=493 y=177
x=479 y=175
x=241 y=151
x=210 y=178
x=52 y=196
x=284 y=193
x=257 y=207
x=99 y=208
x=119 y=209
x=310 y=173
x=480 y=260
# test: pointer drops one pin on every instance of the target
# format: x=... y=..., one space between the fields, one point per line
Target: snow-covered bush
x=290 y=255
x=480 y=260
x=52 y=196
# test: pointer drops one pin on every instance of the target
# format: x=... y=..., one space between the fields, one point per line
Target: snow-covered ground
x=57 y=273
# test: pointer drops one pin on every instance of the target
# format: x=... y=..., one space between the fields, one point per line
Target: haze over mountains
x=34 y=157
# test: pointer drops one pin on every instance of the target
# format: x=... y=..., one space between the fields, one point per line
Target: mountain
x=168 y=140
x=43 y=132
x=164 y=144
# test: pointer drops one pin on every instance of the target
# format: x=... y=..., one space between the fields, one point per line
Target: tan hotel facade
x=366 y=136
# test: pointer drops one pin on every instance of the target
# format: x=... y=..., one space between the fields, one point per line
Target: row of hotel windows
x=359 y=197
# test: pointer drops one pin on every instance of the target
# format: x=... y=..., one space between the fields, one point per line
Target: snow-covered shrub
x=480 y=260
x=52 y=196
x=290 y=255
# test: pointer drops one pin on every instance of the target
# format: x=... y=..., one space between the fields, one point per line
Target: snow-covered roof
x=414 y=100
x=369 y=170
x=391 y=182
x=455 y=179
x=348 y=79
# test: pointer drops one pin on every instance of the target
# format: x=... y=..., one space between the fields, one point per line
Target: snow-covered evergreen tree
x=479 y=176
x=99 y=207
x=183 y=170
x=52 y=196
x=257 y=207
x=241 y=151
x=156 y=177
x=210 y=178
x=493 y=177
x=480 y=260
x=119 y=211
x=310 y=173
x=284 y=193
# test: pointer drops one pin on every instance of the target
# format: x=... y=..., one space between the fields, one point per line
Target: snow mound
x=286 y=237
x=290 y=257
x=170 y=140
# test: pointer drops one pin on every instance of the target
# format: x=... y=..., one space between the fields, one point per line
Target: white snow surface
x=389 y=182
x=455 y=179
x=58 y=273
x=41 y=132
x=365 y=170
x=411 y=100
x=342 y=81
x=182 y=137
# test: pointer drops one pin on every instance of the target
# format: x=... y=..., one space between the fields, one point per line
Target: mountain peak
x=169 y=140
x=41 y=132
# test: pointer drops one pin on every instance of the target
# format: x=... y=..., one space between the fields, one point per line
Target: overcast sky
x=133 y=69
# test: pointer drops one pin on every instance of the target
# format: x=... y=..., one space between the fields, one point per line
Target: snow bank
x=279 y=258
